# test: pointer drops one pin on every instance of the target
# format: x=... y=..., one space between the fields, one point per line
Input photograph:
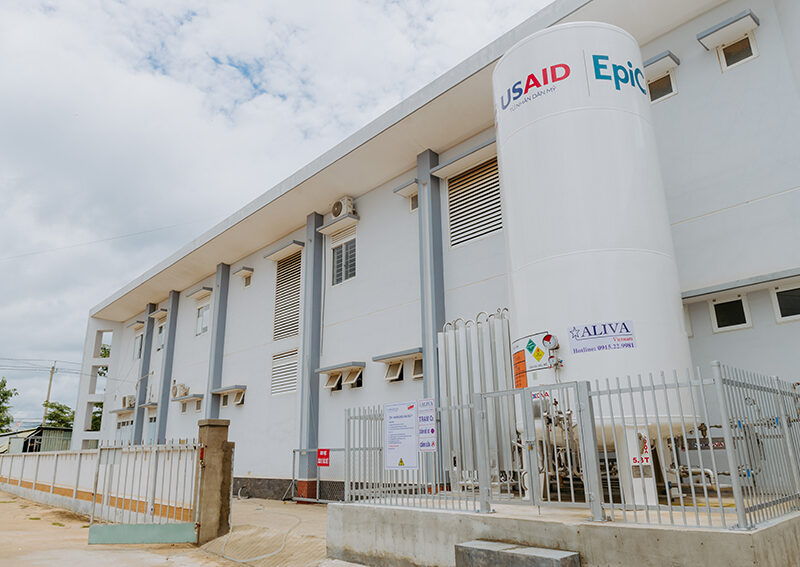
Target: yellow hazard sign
x=400 y=464
x=538 y=354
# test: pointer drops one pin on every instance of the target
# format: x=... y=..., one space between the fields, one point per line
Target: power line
x=99 y=240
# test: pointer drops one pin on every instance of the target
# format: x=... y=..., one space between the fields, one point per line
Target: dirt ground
x=33 y=534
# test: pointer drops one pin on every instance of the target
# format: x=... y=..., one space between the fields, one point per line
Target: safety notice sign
x=426 y=425
x=323 y=457
x=528 y=355
x=401 y=438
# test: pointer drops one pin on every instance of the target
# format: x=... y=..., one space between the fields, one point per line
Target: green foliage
x=6 y=394
x=97 y=416
x=59 y=415
x=105 y=352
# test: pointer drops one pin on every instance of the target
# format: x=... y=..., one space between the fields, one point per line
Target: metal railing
x=717 y=451
x=150 y=484
x=329 y=486
x=115 y=483
x=445 y=479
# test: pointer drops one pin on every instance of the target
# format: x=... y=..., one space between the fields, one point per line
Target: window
x=473 y=201
x=287 y=297
x=737 y=52
x=160 y=337
x=203 y=315
x=661 y=88
x=786 y=300
x=416 y=373
x=284 y=373
x=394 y=371
x=729 y=314
x=247 y=280
x=413 y=202
x=334 y=381
x=137 y=346
x=198 y=405
x=354 y=378
x=183 y=407
x=343 y=255
x=224 y=400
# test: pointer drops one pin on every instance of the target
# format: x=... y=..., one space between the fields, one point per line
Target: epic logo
x=557 y=73
x=620 y=74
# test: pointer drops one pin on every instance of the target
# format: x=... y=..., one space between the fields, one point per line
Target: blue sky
x=128 y=128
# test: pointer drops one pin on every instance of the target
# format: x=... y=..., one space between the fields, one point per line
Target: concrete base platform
x=385 y=536
x=481 y=553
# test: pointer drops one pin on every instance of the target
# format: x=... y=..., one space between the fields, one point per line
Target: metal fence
x=717 y=450
x=329 y=483
x=151 y=484
x=115 y=483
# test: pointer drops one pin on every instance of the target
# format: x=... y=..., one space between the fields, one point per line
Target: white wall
x=728 y=145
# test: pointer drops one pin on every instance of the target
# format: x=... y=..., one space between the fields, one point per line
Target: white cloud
x=117 y=118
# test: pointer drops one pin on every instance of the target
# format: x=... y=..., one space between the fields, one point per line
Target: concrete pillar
x=171 y=326
x=144 y=375
x=431 y=270
x=216 y=477
x=311 y=340
x=219 y=313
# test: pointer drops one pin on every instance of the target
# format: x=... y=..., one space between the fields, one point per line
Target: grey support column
x=431 y=274
x=311 y=340
x=166 y=367
x=144 y=375
x=219 y=313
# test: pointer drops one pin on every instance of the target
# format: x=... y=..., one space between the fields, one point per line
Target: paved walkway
x=36 y=535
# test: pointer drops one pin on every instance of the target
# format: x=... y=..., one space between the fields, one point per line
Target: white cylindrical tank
x=588 y=239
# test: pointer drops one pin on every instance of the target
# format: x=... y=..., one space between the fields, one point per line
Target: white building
x=285 y=314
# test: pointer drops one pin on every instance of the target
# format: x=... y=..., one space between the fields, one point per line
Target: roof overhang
x=451 y=109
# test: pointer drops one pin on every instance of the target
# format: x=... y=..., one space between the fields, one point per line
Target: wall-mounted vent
x=284 y=373
x=287 y=297
x=473 y=200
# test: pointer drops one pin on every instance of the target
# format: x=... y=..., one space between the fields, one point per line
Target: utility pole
x=49 y=387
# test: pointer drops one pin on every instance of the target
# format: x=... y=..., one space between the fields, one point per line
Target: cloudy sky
x=128 y=128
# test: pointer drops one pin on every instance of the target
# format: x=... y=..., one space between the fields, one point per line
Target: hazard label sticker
x=538 y=354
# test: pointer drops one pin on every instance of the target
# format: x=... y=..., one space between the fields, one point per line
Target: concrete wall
x=383 y=536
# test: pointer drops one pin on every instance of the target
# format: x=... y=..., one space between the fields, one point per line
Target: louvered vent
x=284 y=373
x=287 y=297
x=473 y=199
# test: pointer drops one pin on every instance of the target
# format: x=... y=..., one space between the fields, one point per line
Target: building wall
x=727 y=142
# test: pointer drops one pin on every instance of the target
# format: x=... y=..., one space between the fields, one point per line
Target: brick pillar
x=214 y=504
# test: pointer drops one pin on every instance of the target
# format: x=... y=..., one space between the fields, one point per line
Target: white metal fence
x=115 y=483
x=328 y=481
x=716 y=450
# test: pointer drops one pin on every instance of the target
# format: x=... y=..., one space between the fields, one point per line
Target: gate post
x=215 y=475
x=588 y=445
x=482 y=452
x=730 y=450
x=785 y=418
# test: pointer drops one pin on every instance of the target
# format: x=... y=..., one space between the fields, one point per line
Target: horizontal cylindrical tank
x=588 y=240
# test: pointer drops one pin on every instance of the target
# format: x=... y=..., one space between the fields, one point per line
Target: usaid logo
x=622 y=75
x=549 y=75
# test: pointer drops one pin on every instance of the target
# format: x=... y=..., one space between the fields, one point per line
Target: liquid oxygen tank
x=588 y=239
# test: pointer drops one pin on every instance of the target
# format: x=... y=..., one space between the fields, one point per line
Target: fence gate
x=143 y=490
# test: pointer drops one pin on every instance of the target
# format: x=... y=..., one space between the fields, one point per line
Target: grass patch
x=6 y=501
x=33 y=518
x=58 y=524
x=86 y=526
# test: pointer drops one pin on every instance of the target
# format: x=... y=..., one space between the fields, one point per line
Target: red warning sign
x=323 y=457
x=520 y=370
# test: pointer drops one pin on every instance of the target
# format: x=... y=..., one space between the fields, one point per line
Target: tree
x=59 y=415
x=6 y=394
x=97 y=416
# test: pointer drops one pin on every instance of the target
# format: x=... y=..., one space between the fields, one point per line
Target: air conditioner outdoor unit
x=183 y=390
x=342 y=208
x=128 y=401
